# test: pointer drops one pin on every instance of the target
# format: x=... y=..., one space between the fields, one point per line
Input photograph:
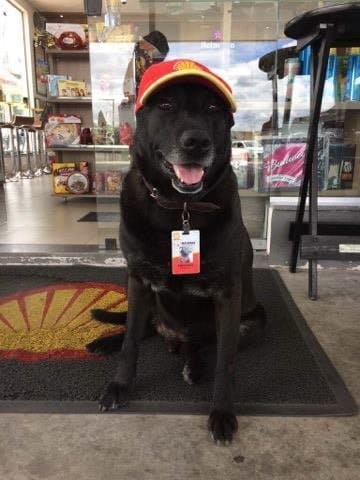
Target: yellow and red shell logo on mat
x=55 y=321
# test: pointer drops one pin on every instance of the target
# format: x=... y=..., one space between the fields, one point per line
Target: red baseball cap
x=181 y=70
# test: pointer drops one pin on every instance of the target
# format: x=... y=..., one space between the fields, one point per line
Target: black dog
x=181 y=175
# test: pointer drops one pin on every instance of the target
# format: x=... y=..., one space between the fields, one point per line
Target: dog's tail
x=103 y=316
x=109 y=343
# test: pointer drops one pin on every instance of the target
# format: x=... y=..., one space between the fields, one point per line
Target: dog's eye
x=166 y=106
x=213 y=108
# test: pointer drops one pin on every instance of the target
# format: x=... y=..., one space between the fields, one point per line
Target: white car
x=253 y=147
x=245 y=155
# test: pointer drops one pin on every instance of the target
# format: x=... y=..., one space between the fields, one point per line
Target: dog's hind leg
x=253 y=318
x=106 y=345
x=112 y=343
x=193 y=368
x=252 y=326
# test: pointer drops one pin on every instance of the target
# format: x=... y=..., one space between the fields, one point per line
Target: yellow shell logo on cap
x=186 y=65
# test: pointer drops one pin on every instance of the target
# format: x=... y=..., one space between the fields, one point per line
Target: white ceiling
x=58 y=5
x=63 y=6
x=130 y=7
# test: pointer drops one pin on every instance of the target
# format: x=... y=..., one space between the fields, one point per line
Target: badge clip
x=185 y=219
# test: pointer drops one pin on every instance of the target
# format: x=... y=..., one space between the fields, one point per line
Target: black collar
x=196 y=206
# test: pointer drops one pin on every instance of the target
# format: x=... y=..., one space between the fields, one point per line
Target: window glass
x=13 y=78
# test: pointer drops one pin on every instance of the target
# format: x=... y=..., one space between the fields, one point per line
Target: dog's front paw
x=115 y=396
x=222 y=426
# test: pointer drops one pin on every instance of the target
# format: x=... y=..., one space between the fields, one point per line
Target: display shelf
x=91 y=148
x=119 y=163
x=57 y=52
x=344 y=192
x=84 y=195
x=348 y=105
x=243 y=192
x=69 y=99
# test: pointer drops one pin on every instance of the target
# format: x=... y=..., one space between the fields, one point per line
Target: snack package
x=68 y=36
x=62 y=130
x=61 y=173
x=97 y=182
x=71 y=88
x=52 y=84
x=78 y=183
x=112 y=181
x=84 y=167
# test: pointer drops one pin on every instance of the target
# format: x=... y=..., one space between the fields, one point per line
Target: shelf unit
x=76 y=63
x=69 y=99
x=95 y=148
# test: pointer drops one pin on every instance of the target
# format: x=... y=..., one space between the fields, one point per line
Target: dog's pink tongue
x=189 y=174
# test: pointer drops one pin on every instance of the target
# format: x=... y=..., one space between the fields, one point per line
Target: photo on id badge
x=185 y=252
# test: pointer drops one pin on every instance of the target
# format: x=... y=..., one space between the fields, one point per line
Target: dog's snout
x=195 y=140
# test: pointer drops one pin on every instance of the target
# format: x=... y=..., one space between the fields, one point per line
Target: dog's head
x=182 y=138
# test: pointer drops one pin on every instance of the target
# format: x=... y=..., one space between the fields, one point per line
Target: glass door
x=228 y=37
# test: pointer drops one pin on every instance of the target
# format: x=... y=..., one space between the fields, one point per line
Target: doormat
x=44 y=367
x=101 y=217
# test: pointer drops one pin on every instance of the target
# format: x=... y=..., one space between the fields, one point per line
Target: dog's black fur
x=184 y=124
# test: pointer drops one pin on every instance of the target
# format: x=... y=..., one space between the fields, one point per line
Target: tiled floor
x=178 y=447
x=36 y=217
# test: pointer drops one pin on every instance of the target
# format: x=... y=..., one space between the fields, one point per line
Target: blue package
x=352 y=91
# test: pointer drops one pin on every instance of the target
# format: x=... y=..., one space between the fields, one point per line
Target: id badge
x=185 y=252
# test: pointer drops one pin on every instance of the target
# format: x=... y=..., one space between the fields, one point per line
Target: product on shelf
x=283 y=163
x=84 y=167
x=352 y=91
x=61 y=173
x=340 y=77
x=104 y=135
x=62 y=130
x=125 y=134
x=68 y=36
x=341 y=165
x=52 y=158
x=97 y=182
x=343 y=69
x=112 y=181
x=78 y=183
x=86 y=136
x=52 y=84
x=71 y=88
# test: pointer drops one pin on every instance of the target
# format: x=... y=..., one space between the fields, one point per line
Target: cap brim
x=211 y=81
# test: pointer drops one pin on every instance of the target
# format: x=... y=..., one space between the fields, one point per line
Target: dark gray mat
x=287 y=373
x=100 y=217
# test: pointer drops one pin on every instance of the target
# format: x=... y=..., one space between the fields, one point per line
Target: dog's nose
x=195 y=140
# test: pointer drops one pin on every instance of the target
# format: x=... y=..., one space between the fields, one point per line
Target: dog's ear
x=231 y=119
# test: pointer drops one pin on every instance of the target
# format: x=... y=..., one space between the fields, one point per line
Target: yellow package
x=61 y=173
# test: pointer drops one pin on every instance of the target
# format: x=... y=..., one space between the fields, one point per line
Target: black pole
x=324 y=47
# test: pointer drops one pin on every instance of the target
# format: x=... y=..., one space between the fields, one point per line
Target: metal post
x=2 y=159
x=28 y=173
x=324 y=48
x=14 y=167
